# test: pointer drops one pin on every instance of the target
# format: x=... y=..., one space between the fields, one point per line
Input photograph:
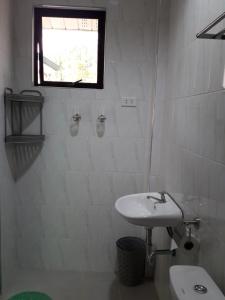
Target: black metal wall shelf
x=15 y=105
x=25 y=98
x=204 y=34
x=24 y=139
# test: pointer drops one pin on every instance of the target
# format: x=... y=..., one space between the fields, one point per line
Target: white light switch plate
x=128 y=102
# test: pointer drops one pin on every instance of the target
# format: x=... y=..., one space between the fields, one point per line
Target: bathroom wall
x=65 y=212
x=189 y=134
x=7 y=185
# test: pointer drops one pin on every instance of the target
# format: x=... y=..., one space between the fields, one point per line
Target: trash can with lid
x=131 y=254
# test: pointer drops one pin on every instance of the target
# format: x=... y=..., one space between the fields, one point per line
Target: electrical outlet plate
x=128 y=102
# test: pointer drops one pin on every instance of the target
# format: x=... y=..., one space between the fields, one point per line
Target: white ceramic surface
x=8 y=195
x=184 y=278
x=76 y=179
x=188 y=158
x=143 y=210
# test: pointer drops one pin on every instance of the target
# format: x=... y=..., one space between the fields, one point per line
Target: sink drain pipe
x=151 y=252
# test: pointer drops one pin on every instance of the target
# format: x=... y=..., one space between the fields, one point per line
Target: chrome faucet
x=162 y=199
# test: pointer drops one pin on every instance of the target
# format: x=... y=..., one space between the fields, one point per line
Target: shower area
x=59 y=225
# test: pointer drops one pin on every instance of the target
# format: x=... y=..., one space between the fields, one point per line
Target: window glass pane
x=70 y=49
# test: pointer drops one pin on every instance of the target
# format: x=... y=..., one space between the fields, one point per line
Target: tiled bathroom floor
x=80 y=286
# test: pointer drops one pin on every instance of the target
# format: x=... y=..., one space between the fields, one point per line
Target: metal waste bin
x=131 y=255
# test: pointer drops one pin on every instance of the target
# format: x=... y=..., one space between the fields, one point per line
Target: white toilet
x=193 y=283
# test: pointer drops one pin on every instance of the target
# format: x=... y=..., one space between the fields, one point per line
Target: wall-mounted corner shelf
x=24 y=139
x=204 y=34
x=16 y=107
x=24 y=96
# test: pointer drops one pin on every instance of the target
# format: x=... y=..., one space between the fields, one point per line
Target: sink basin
x=143 y=210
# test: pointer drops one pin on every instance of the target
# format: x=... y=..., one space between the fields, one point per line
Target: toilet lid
x=193 y=283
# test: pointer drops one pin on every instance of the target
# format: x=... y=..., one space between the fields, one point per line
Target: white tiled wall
x=7 y=186
x=66 y=218
x=188 y=149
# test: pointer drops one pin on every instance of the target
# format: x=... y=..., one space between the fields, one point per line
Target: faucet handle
x=76 y=117
x=102 y=118
x=163 y=192
x=163 y=197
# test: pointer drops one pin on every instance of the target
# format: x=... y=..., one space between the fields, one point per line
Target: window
x=69 y=47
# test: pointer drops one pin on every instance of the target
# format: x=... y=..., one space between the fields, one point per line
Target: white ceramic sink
x=143 y=210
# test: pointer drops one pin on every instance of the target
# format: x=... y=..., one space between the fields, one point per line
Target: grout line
x=194 y=95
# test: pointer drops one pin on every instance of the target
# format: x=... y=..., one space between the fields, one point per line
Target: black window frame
x=40 y=12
